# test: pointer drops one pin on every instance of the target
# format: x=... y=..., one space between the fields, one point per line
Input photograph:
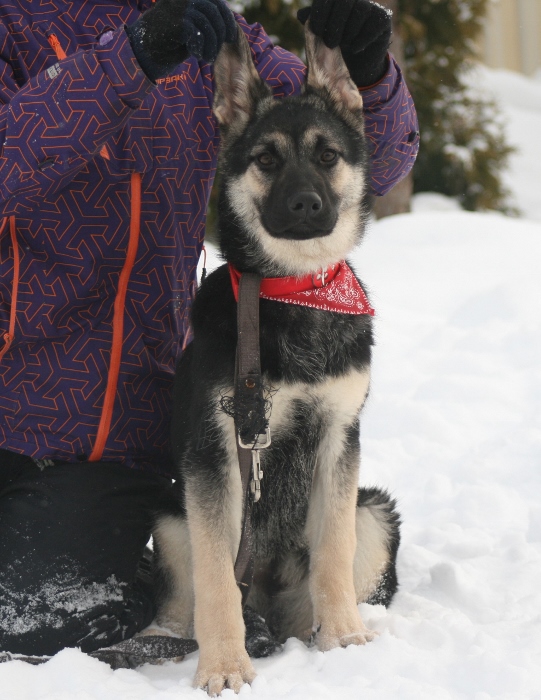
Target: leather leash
x=248 y=395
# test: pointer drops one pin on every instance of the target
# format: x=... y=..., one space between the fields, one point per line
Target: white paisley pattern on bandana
x=342 y=294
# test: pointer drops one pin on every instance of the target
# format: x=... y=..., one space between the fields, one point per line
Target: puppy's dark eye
x=328 y=156
x=265 y=159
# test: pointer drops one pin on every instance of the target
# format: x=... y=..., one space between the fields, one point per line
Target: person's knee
x=63 y=611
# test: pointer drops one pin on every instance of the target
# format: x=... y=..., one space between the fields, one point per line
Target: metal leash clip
x=257 y=475
x=263 y=440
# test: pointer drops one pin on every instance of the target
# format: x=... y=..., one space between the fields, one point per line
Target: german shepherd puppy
x=294 y=200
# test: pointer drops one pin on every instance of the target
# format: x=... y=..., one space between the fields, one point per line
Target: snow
x=453 y=429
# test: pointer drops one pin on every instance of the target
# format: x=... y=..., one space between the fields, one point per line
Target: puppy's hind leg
x=377 y=526
x=174 y=574
x=331 y=532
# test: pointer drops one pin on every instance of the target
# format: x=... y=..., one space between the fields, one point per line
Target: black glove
x=164 y=36
x=362 y=30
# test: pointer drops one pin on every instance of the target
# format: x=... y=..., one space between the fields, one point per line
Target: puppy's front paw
x=343 y=632
x=231 y=671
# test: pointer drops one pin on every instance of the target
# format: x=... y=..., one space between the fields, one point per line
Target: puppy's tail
x=378 y=538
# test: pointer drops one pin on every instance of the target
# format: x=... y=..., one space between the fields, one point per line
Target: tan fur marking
x=279 y=140
x=309 y=139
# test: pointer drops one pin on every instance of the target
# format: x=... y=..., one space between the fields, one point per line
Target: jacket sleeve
x=57 y=121
x=392 y=129
x=390 y=118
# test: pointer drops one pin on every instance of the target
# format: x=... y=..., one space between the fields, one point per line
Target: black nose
x=305 y=203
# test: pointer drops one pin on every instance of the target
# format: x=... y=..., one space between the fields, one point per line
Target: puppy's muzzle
x=301 y=216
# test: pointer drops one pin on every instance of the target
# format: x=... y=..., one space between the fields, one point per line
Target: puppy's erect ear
x=328 y=72
x=238 y=85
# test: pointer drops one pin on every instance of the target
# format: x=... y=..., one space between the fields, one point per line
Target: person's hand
x=172 y=30
x=207 y=24
x=362 y=30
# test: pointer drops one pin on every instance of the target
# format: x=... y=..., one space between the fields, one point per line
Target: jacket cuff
x=118 y=62
x=382 y=90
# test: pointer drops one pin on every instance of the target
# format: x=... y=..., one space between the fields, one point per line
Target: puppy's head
x=294 y=171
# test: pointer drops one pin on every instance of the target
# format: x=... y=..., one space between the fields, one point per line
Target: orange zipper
x=118 y=321
x=10 y=335
x=59 y=51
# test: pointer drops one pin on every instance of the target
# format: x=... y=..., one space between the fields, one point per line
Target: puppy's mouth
x=300 y=232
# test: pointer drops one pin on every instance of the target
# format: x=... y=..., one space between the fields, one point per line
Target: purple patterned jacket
x=81 y=286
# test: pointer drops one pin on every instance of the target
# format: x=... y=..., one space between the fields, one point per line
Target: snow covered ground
x=453 y=429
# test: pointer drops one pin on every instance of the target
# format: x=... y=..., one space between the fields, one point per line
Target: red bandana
x=333 y=289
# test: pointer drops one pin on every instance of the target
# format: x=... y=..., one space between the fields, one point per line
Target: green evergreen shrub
x=463 y=149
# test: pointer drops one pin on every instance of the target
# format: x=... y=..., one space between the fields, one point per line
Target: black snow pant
x=73 y=568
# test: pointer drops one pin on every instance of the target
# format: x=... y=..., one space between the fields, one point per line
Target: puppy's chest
x=307 y=346
x=309 y=425
x=331 y=402
x=310 y=428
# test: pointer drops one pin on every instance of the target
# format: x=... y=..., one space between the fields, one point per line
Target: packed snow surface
x=453 y=429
